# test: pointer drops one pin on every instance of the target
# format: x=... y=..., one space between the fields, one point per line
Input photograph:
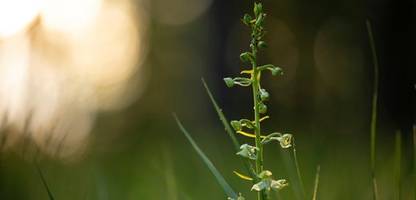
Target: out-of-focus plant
x=261 y=177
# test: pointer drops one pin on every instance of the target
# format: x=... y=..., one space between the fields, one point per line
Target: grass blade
x=397 y=164
x=373 y=112
x=228 y=128
x=289 y=163
x=170 y=182
x=315 y=188
x=225 y=186
x=45 y=184
x=414 y=160
x=222 y=117
x=295 y=158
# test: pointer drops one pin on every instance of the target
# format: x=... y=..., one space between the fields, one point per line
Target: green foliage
x=45 y=184
x=225 y=186
x=227 y=127
x=373 y=128
x=316 y=185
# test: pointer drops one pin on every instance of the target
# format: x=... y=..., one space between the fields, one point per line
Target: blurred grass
x=136 y=175
x=138 y=153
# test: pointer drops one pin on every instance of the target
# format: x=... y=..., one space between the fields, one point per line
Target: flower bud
x=262 y=108
x=229 y=82
x=260 y=20
x=264 y=95
x=246 y=57
x=262 y=45
x=246 y=19
x=276 y=71
x=258 y=9
x=237 y=126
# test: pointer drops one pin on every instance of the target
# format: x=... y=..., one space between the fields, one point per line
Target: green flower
x=237 y=126
x=285 y=140
x=248 y=151
x=229 y=82
x=267 y=183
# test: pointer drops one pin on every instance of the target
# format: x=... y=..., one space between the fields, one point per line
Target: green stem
x=414 y=159
x=373 y=113
x=315 y=188
x=398 y=160
x=257 y=130
x=295 y=157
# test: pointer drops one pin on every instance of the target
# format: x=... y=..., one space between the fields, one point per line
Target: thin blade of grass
x=299 y=175
x=397 y=164
x=414 y=160
x=45 y=184
x=315 y=188
x=228 y=129
x=222 y=117
x=170 y=182
x=225 y=186
x=290 y=168
x=373 y=112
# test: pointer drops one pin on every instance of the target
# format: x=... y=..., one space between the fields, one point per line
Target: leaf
x=225 y=186
x=373 y=125
x=315 y=188
x=289 y=157
x=228 y=128
x=45 y=184
x=222 y=117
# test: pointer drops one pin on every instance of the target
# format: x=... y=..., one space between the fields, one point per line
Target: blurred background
x=88 y=88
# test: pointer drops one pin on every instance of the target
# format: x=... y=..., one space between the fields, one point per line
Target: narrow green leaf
x=228 y=128
x=289 y=157
x=225 y=186
x=397 y=165
x=315 y=188
x=373 y=128
x=295 y=158
x=45 y=184
x=414 y=158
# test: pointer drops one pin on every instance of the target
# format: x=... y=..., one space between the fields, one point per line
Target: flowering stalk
x=263 y=180
x=252 y=155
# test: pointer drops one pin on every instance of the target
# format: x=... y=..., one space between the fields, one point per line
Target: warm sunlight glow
x=81 y=57
x=16 y=15
x=67 y=15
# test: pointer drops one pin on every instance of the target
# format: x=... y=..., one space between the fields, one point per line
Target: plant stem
x=374 y=112
x=295 y=157
x=414 y=159
x=315 y=188
x=45 y=184
x=257 y=130
x=397 y=164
